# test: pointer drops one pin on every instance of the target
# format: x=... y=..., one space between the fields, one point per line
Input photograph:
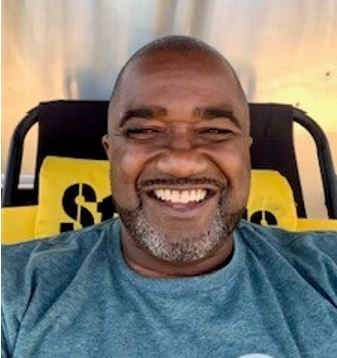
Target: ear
x=107 y=146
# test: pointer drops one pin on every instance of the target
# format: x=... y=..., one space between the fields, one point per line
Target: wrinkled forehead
x=197 y=71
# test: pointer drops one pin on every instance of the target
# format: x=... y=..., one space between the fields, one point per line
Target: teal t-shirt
x=74 y=296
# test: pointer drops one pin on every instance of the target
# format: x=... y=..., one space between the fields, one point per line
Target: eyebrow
x=142 y=112
x=221 y=111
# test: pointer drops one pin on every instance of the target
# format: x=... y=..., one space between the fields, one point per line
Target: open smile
x=182 y=200
x=175 y=196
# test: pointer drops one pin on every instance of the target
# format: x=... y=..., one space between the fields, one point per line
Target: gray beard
x=183 y=249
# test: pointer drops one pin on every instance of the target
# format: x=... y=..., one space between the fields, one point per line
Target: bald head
x=177 y=47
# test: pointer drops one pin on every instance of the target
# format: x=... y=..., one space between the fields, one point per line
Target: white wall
x=284 y=51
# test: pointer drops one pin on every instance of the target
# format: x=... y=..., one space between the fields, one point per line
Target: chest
x=227 y=322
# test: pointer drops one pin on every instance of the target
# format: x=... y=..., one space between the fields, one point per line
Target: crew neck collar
x=177 y=286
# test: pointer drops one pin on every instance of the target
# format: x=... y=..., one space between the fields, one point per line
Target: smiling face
x=178 y=144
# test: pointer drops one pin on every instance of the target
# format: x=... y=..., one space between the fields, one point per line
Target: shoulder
x=289 y=241
x=312 y=254
x=27 y=265
x=36 y=273
x=66 y=244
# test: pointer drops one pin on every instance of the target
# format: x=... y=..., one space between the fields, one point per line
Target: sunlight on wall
x=283 y=52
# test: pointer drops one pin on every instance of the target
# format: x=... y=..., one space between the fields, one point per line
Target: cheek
x=126 y=166
x=238 y=171
x=235 y=165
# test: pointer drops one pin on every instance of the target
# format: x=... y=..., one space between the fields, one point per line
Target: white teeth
x=185 y=197
x=181 y=196
x=175 y=197
x=160 y=194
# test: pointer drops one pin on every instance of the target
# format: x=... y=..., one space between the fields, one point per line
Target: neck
x=147 y=265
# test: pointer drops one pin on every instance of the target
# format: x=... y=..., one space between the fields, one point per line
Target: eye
x=141 y=133
x=215 y=134
x=216 y=131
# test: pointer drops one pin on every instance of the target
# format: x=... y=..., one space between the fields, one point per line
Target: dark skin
x=178 y=117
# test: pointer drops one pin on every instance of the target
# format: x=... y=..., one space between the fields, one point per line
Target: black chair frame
x=11 y=185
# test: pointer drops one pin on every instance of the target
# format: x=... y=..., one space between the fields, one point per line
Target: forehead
x=172 y=66
x=175 y=61
x=173 y=80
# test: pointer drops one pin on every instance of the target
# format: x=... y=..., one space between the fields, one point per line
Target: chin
x=182 y=244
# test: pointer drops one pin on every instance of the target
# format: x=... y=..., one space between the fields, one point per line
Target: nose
x=181 y=159
x=182 y=163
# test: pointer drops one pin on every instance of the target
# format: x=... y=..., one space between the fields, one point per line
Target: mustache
x=181 y=181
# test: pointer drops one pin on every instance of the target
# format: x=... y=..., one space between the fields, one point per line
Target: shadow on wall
x=94 y=85
x=247 y=77
x=88 y=84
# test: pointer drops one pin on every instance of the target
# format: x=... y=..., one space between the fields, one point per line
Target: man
x=177 y=275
